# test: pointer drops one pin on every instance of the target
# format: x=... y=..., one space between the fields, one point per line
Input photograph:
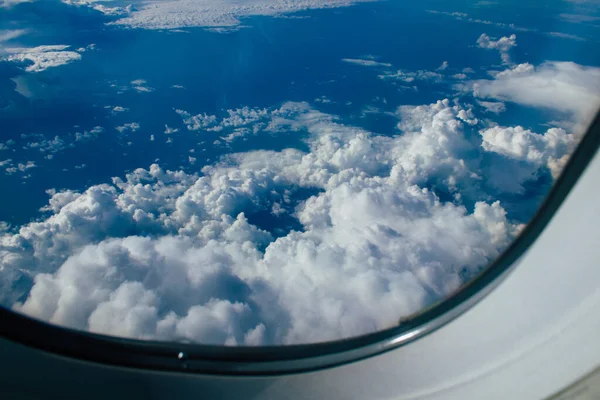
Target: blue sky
x=269 y=177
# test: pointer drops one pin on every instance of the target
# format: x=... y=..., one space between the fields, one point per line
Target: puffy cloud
x=566 y=87
x=174 y=14
x=389 y=224
x=117 y=109
x=443 y=67
x=89 y=135
x=54 y=145
x=236 y=118
x=42 y=57
x=169 y=130
x=196 y=122
x=132 y=127
x=243 y=116
x=551 y=148
x=503 y=45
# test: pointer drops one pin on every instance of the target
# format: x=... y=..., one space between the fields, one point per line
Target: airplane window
x=269 y=173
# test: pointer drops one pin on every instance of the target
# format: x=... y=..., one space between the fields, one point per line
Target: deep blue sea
x=265 y=63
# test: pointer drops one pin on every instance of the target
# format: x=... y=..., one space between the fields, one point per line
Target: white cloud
x=443 y=67
x=88 y=135
x=503 y=45
x=170 y=255
x=20 y=167
x=94 y=4
x=552 y=148
x=132 y=127
x=323 y=100
x=42 y=57
x=174 y=14
x=366 y=62
x=91 y=46
x=11 y=3
x=566 y=36
x=117 y=109
x=243 y=116
x=495 y=107
x=579 y=18
x=197 y=122
x=141 y=86
x=10 y=34
x=411 y=76
x=566 y=87
x=465 y=17
x=169 y=130
x=54 y=145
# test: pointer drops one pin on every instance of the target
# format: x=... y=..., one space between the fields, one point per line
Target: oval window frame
x=280 y=360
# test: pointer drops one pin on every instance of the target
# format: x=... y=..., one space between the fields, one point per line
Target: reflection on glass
x=260 y=172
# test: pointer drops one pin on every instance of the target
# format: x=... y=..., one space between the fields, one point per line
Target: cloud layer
x=41 y=58
x=173 y=14
x=570 y=89
x=390 y=224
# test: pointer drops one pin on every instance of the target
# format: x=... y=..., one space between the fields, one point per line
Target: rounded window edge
x=279 y=360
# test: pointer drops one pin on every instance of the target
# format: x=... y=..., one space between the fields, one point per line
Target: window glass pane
x=268 y=172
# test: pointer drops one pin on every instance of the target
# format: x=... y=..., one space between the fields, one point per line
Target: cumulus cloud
x=243 y=116
x=116 y=109
x=389 y=224
x=169 y=130
x=196 y=122
x=551 y=148
x=503 y=45
x=89 y=135
x=44 y=145
x=236 y=118
x=175 y=14
x=41 y=58
x=572 y=90
x=131 y=127
x=19 y=167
